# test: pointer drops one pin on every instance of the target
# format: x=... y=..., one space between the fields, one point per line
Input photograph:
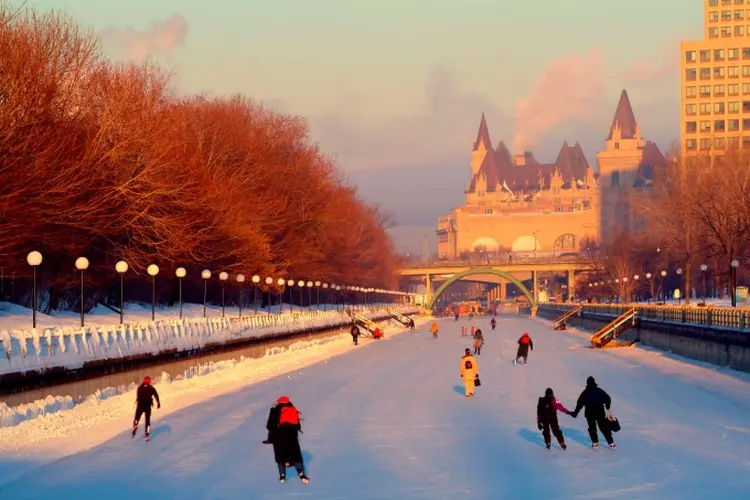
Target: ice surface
x=389 y=420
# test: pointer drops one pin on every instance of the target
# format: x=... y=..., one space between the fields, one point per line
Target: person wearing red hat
x=144 y=401
x=283 y=433
x=524 y=343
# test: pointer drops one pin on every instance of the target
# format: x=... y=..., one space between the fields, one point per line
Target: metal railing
x=713 y=317
x=502 y=261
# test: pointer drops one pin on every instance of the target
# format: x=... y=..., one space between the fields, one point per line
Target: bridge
x=489 y=270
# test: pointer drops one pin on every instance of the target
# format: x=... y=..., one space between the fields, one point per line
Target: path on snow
x=389 y=420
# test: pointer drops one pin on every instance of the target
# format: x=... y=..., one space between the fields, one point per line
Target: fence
x=67 y=347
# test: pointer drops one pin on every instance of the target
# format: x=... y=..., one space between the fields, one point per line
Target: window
x=733 y=71
x=732 y=54
x=745 y=88
x=713 y=17
x=726 y=15
x=705 y=73
x=733 y=142
x=726 y=31
x=690 y=144
x=705 y=109
x=719 y=72
x=690 y=74
x=719 y=126
x=691 y=127
x=733 y=89
x=720 y=143
x=691 y=92
x=739 y=15
x=691 y=109
x=733 y=125
x=705 y=126
x=746 y=106
x=705 y=56
x=691 y=56
x=705 y=144
x=746 y=124
x=718 y=55
x=706 y=90
x=713 y=3
x=719 y=91
x=719 y=108
x=739 y=31
x=713 y=33
x=734 y=107
x=746 y=143
x=616 y=179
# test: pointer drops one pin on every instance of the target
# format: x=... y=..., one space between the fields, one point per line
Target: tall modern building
x=716 y=81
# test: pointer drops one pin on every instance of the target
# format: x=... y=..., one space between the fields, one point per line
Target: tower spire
x=624 y=119
x=483 y=136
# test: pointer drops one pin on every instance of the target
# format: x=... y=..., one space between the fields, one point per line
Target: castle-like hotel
x=516 y=204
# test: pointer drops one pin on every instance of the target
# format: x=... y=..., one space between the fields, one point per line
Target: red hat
x=282 y=399
x=146 y=379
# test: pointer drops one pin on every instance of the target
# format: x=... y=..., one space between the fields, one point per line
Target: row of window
x=715 y=3
x=721 y=90
x=729 y=31
x=717 y=73
x=719 y=55
x=719 y=108
x=719 y=126
x=716 y=143
x=726 y=15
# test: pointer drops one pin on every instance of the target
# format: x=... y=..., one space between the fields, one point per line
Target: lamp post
x=301 y=285
x=625 y=291
x=269 y=282
x=122 y=267
x=280 y=282
x=636 y=278
x=663 y=295
x=679 y=286
x=619 y=290
x=704 y=268
x=206 y=275
x=309 y=294
x=325 y=295
x=735 y=264
x=82 y=263
x=153 y=270
x=33 y=259
x=241 y=281
x=317 y=289
x=290 y=287
x=180 y=272
x=256 y=280
x=223 y=277
x=650 y=287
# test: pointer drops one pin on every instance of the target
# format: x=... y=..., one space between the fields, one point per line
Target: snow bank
x=69 y=347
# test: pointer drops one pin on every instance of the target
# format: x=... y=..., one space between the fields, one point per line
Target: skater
x=456 y=317
x=546 y=418
x=377 y=334
x=434 y=329
x=524 y=343
x=355 y=334
x=493 y=323
x=411 y=325
x=595 y=400
x=469 y=372
x=144 y=401
x=473 y=330
x=283 y=433
x=478 y=342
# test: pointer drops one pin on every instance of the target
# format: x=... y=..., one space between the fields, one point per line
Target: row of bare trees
x=696 y=213
x=107 y=161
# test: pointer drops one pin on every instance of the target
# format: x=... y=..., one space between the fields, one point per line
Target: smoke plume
x=162 y=38
x=569 y=88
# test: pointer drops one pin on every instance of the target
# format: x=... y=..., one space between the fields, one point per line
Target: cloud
x=661 y=65
x=570 y=87
x=440 y=130
x=162 y=38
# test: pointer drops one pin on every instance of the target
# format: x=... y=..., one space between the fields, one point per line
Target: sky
x=394 y=89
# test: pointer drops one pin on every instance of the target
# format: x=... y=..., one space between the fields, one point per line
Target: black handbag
x=477 y=382
x=614 y=424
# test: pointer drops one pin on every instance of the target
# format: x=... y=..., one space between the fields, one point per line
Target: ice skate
x=563 y=446
x=612 y=445
x=595 y=446
x=304 y=478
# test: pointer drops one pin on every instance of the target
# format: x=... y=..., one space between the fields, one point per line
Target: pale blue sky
x=401 y=84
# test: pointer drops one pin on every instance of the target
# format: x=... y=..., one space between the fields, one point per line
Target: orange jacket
x=434 y=328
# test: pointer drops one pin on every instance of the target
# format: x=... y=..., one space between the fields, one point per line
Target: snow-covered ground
x=389 y=420
x=73 y=346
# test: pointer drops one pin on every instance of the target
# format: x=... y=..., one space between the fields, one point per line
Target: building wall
x=715 y=81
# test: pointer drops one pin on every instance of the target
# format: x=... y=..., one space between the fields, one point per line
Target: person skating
x=434 y=329
x=524 y=344
x=283 y=433
x=455 y=318
x=144 y=401
x=478 y=342
x=469 y=372
x=546 y=418
x=493 y=323
x=595 y=400
x=411 y=325
x=355 y=334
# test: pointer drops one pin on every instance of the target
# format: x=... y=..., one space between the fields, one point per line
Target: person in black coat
x=355 y=334
x=144 y=401
x=546 y=418
x=524 y=343
x=283 y=433
x=595 y=400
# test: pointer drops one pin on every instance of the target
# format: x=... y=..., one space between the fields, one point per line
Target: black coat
x=546 y=411
x=594 y=400
x=523 y=349
x=354 y=331
x=145 y=396
x=285 y=438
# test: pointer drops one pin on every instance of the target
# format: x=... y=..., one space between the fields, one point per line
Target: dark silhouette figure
x=595 y=400
x=144 y=401
x=283 y=433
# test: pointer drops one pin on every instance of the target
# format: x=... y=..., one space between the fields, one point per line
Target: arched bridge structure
x=461 y=270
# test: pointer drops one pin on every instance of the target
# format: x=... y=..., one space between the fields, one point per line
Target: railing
x=713 y=317
x=609 y=332
x=502 y=261
x=562 y=319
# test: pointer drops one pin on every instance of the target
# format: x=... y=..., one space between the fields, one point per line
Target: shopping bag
x=477 y=382
x=614 y=423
